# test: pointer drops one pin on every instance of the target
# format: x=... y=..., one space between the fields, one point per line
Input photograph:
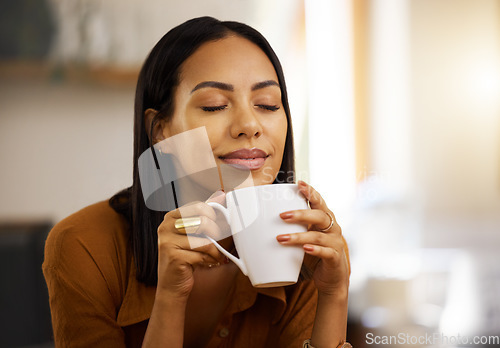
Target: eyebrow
x=228 y=87
x=264 y=84
x=214 y=84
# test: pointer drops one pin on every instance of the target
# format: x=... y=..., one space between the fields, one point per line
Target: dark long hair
x=158 y=79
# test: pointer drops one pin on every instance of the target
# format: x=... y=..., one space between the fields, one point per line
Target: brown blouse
x=96 y=301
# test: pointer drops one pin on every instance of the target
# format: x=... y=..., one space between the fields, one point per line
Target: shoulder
x=99 y=214
x=94 y=230
x=86 y=268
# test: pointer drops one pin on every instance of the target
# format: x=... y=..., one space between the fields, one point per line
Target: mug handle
x=233 y=258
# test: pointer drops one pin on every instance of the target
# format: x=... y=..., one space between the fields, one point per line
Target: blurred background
x=396 y=111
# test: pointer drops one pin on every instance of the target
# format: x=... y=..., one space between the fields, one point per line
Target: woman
x=121 y=275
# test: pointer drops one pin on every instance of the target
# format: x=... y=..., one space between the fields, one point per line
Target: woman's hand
x=323 y=240
x=181 y=250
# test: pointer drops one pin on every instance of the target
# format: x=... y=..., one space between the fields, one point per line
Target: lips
x=248 y=159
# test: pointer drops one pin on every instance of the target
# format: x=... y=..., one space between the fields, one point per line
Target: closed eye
x=213 y=108
x=268 y=107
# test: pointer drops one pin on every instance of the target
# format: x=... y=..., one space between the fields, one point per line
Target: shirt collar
x=137 y=302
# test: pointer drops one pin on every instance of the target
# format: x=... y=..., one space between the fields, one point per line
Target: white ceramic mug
x=253 y=216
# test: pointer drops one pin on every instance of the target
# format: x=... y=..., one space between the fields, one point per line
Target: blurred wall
x=455 y=88
x=64 y=145
x=122 y=32
x=425 y=231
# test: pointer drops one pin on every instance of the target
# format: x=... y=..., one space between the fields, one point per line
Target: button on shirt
x=224 y=332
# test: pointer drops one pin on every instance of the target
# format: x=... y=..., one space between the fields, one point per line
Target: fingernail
x=301 y=183
x=286 y=215
x=283 y=238
x=308 y=248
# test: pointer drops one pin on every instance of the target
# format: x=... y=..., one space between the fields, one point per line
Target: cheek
x=279 y=133
x=215 y=133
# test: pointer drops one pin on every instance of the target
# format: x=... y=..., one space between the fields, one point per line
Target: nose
x=245 y=123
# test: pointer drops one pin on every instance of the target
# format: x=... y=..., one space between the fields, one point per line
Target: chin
x=265 y=176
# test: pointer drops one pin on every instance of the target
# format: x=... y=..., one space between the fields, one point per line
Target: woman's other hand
x=323 y=240
x=181 y=250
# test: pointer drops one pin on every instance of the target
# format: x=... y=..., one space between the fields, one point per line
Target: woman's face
x=230 y=87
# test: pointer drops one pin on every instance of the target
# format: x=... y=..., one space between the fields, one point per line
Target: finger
x=191 y=243
x=314 y=217
x=312 y=238
x=199 y=226
x=197 y=217
x=212 y=229
x=192 y=258
x=321 y=245
x=329 y=255
x=314 y=198
x=211 y=250
x=193 y=209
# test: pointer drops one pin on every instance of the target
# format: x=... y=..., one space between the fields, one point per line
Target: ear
x=157 y=134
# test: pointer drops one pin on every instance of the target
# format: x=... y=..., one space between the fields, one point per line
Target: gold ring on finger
x=330 y=225
x=188 y=225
